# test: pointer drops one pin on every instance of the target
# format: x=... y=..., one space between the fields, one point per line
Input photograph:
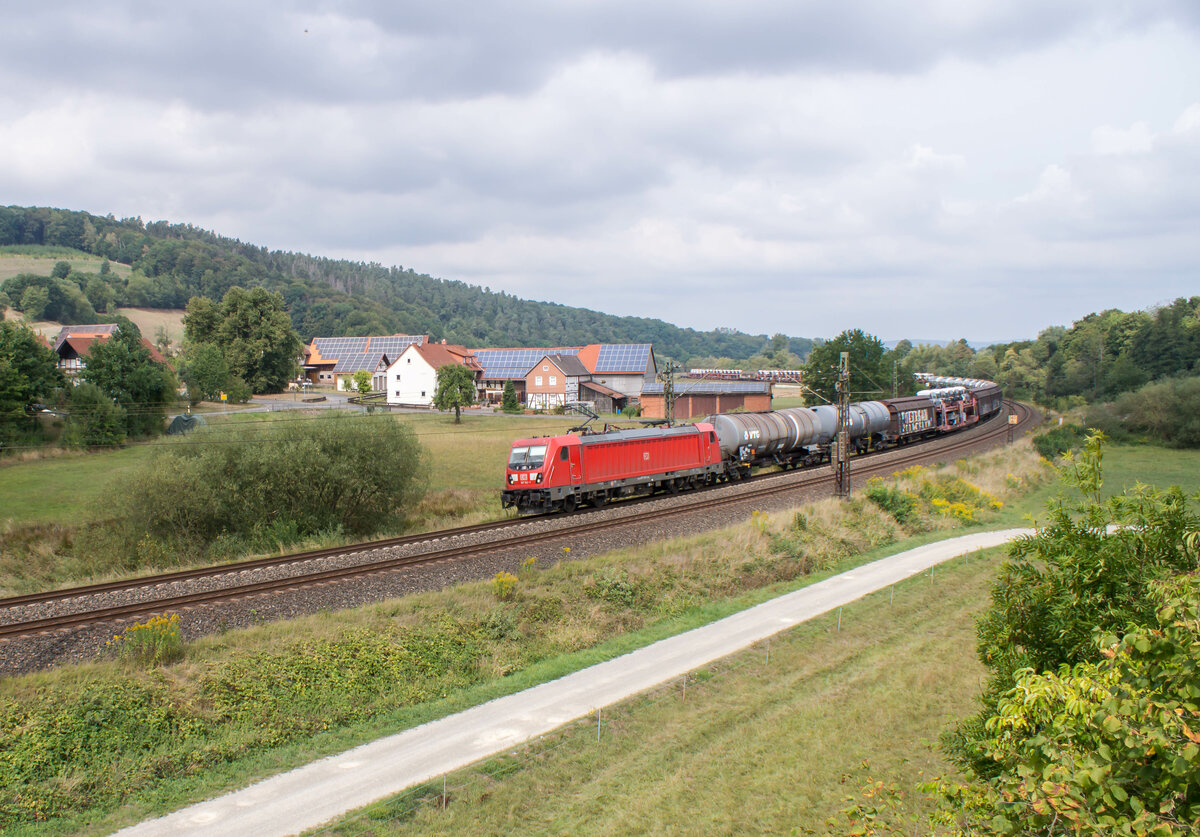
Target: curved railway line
x=23 y=618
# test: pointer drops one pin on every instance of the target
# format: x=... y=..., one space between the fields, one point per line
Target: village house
x=411 y=380
x=74 y=342
x=333 y=361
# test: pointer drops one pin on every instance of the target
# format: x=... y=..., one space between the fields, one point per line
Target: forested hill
x=326 y=297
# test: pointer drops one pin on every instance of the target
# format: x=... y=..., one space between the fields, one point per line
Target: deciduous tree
x=205 y=371
x=28 y=373
x=867 y=375
x=455 y=389
x=122 y=367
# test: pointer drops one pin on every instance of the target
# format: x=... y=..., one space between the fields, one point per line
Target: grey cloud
x=231 y=55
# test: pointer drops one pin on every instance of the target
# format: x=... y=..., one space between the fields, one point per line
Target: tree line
x=171 y=263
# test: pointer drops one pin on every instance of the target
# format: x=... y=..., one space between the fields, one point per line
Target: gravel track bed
x=26 y=654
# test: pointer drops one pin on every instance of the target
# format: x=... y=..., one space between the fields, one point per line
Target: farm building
x=334 y=360
x=705 y=398
x=608 y=374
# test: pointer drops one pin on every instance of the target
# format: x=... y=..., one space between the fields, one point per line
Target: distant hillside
x=170 y=263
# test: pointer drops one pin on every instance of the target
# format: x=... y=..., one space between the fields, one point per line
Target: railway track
x=152 y=598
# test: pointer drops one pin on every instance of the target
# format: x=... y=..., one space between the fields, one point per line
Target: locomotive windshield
x=527 y=459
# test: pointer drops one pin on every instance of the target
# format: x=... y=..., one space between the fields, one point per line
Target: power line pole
x=668 y=379
x=841 y=467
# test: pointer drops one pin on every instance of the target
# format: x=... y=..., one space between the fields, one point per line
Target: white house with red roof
x=412 y=378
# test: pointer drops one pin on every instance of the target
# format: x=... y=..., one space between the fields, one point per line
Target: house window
x=537 y=380
x=553 y=380
x=408 y=360
x=545 y=368
x=422 y=393
x=397 y=393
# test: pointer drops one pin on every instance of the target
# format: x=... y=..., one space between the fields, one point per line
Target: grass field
x=756 y=746
x=467 y=458
x=150 y=320
x=1124 y=466
x=41 y=260
x=46 y=501
x=561 y=618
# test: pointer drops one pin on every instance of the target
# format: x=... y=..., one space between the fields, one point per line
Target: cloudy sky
x=928 y=169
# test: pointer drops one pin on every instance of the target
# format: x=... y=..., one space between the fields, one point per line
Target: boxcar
x=910 y=419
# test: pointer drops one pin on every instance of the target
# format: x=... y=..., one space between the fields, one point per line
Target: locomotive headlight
x=539 y=477
x=512 y=478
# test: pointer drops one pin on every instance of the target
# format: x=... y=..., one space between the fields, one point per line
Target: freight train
x=559 y=473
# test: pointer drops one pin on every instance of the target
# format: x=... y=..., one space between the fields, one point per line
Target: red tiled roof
x=80 y=345
x=588 y=355
x=438 y=355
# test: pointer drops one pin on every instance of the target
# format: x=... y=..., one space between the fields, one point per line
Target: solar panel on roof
x=625 y=357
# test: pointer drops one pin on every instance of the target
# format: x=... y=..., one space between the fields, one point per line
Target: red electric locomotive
x=561 y=472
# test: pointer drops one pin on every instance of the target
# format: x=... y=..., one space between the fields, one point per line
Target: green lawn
x=757 y=746
x=466 y=457
x=1124 y=466
x=65 y=489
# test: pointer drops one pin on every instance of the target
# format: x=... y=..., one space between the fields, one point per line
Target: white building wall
x=628 y=385
x=411 y=380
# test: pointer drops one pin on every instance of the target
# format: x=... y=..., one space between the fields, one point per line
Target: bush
x=1057 y=441
x=901 y=505
x=95 y=419
x=1167 y=412
x=237 y=391
x=258 y=483
x=631 y=410
x=503 y=584
x=1072 y=579
x=509 y=402
x=614 y=587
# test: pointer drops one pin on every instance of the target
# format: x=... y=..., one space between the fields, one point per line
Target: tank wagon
x=560 y=473
x=796 y=436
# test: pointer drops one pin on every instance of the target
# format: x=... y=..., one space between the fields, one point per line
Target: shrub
x=95 y=419
x=509 y=402
x=258 y=484
x=614 y=587
x=1058 y=440
x=541 y=609
x=237 y=391
x=1072 y=579
x=1166 y=412
x=900 y=504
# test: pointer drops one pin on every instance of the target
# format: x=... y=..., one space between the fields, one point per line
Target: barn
x=694 y=399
